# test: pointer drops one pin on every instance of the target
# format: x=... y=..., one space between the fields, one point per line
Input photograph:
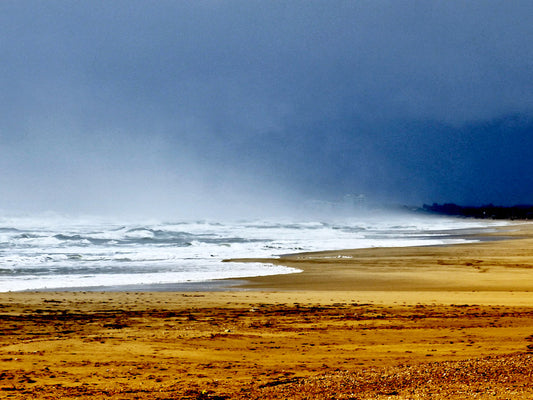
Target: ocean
x=51 y=251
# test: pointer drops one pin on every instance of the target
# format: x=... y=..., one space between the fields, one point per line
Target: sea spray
x=51 y=251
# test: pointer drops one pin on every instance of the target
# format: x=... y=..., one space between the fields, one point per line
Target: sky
x=210 y=107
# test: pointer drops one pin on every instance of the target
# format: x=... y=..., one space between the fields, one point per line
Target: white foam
x=54 y=251
x=224 y=271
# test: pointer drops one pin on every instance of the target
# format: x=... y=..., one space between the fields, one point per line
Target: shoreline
x=495 y=270
x=469 y=235
x=487 y=266
x=322 y=333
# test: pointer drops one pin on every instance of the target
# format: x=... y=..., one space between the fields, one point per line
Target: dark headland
x=490 y=211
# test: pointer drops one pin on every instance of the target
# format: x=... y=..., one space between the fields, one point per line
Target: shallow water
x=53 y=251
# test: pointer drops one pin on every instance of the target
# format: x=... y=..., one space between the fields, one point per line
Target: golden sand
x=451 y=322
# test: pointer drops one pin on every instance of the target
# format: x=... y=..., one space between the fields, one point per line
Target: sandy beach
x=442 y=322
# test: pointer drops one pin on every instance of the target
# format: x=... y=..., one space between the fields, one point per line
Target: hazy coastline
x=219 y=200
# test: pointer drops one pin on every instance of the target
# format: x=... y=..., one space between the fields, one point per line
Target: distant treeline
x=489 y=211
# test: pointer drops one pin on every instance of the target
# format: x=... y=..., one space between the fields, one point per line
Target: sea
x=58 y=252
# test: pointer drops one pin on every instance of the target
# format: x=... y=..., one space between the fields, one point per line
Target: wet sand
x=487 y=266
x=435 y=322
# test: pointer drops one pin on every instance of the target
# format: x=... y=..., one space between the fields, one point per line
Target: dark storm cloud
x=136 y=103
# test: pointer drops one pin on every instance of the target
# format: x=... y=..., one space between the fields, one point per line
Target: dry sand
x=451 y=322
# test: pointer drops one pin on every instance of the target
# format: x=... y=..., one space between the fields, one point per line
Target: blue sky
x=185 y=107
